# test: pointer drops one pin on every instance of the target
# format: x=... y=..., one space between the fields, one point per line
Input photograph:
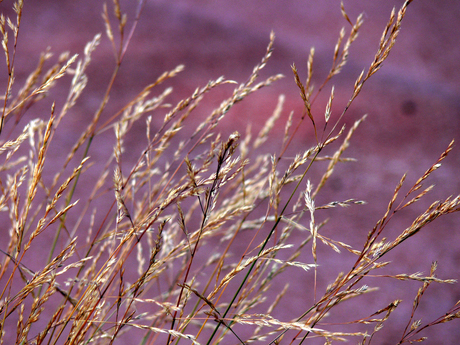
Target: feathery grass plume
x=10 y=56
x=196 y=237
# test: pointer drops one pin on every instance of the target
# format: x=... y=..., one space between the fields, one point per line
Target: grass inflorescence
x=198 y=231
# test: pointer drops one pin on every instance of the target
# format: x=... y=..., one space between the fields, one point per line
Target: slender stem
x=319 y=147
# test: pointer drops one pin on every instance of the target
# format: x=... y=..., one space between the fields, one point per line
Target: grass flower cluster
x=200 y=228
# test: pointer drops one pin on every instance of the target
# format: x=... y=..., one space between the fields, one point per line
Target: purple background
x=412 y=105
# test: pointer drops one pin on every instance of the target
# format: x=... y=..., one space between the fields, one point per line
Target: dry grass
x=157 y=266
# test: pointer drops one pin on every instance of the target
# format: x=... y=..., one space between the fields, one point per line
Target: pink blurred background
x=412 y=103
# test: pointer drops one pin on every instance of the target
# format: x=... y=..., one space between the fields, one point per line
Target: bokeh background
x=412 y=103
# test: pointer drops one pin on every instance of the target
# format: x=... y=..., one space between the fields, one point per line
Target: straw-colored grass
x=159 y=265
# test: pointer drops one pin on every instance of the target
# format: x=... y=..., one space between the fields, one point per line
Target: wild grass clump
x=198 y=232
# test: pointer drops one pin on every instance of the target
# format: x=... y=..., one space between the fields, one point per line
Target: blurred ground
x=412 y=103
